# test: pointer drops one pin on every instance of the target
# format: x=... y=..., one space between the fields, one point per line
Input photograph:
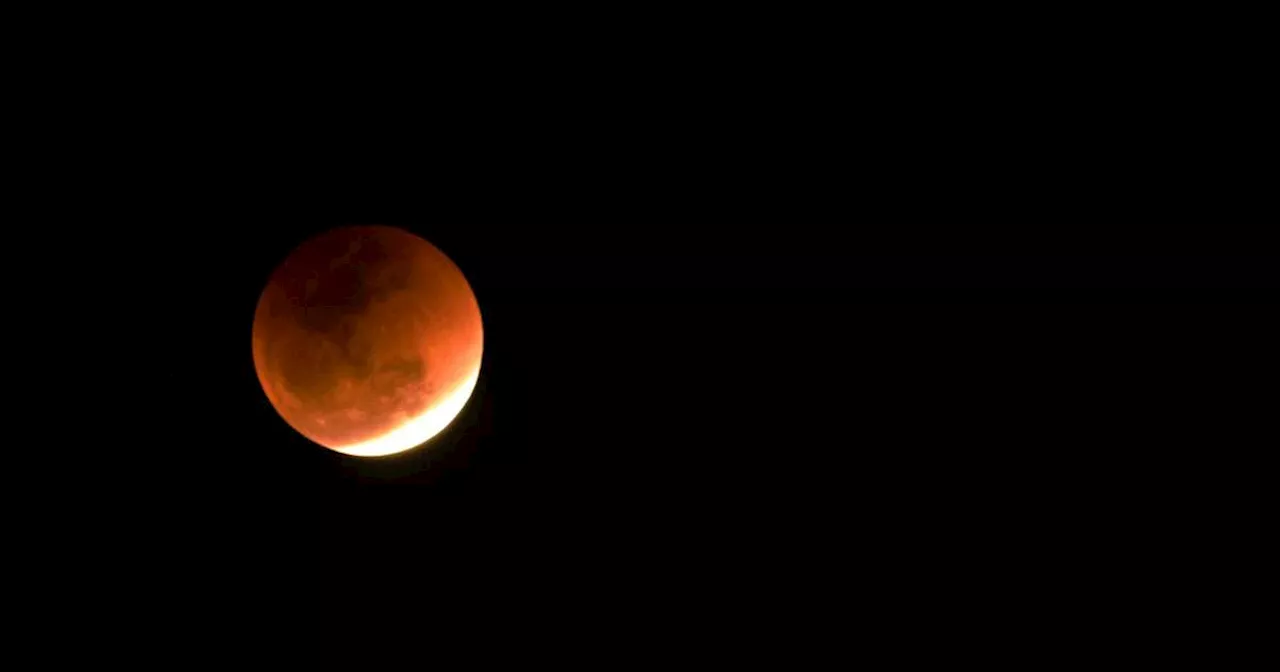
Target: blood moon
x=367 y=340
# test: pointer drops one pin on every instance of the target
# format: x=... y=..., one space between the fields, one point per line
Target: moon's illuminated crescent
x=368 y=340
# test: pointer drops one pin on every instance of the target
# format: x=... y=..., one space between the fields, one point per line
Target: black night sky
x=740 y=330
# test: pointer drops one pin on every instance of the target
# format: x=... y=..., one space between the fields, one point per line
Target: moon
x=368 y=340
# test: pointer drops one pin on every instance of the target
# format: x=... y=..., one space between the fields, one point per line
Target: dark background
x=741 y=366
x=788 y=324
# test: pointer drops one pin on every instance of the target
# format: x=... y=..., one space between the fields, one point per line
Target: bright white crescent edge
x=418 y=430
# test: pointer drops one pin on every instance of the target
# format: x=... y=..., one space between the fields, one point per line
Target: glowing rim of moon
x=419 y=430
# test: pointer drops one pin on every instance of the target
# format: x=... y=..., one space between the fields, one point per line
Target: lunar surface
x=368 y=340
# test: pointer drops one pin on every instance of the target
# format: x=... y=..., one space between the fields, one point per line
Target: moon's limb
x=420 y=429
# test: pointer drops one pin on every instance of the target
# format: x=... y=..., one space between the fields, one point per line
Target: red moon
x=368 y=340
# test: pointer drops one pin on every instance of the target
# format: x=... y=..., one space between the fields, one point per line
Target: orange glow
x=368 y=340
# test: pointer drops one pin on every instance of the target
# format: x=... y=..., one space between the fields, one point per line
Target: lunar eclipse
x=367 y=340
